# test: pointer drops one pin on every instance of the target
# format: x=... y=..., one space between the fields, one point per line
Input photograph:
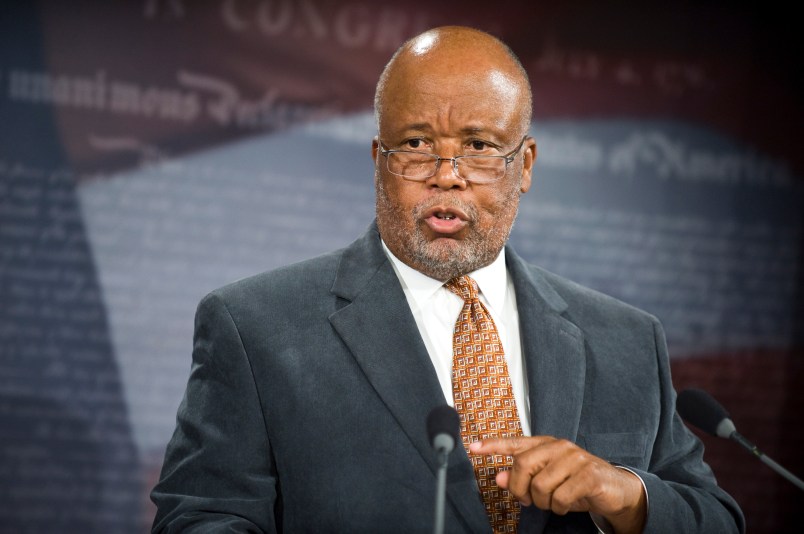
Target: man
x=310 y=385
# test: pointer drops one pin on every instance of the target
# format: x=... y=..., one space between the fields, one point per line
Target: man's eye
x=414 y=143
x=478 y=145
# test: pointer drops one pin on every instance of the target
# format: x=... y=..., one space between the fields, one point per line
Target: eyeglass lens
x=476 y=169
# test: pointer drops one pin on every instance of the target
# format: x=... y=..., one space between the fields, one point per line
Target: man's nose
x=445 y=176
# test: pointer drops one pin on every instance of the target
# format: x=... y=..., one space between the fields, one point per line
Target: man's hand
x=555 y=474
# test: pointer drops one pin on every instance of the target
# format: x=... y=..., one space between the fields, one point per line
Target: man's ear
x=375 y=147
x=528 y=158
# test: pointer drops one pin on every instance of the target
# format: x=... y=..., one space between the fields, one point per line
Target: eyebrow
x=475 y=130
x=419 y=126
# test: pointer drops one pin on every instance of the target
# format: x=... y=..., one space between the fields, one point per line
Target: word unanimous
x=198 y=97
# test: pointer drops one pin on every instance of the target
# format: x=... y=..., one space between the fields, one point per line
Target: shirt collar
x=491 y=279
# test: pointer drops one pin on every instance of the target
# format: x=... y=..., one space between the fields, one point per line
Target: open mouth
x=446 y=220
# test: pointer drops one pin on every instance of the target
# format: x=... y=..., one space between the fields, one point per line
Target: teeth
x=446 y=216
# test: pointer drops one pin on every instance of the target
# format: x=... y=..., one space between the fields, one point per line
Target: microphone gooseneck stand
x=699 y=408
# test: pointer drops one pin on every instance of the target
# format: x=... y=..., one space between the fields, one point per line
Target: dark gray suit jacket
x=305 y=408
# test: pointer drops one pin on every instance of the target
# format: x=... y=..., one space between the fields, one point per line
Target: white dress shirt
x=435 y=309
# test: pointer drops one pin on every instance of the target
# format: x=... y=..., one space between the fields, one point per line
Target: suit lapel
x=381 y=333
x=555 y=365
x=553 y=350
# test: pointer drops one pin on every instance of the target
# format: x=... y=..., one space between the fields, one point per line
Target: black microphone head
x=702 y=410
x=443 y=420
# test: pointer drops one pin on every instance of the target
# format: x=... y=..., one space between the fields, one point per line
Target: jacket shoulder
x=282 y=286
x=589 y=306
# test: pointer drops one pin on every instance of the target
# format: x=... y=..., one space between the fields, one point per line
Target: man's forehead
x=455 y=59
x=470 y=77
x=503 y=82
x=489 y=96
x=458 y=115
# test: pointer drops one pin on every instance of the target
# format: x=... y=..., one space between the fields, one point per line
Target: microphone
x=699 y=408
x=702 y=410
x=444 y=431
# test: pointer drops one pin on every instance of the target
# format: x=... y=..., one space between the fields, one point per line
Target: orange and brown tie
x=484 y=398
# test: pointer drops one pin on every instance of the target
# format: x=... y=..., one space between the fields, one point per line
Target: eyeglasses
x=419 y=166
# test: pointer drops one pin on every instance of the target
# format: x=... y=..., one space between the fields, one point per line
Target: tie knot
x=463 y=286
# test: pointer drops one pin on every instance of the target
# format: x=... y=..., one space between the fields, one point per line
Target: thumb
x=502 y=479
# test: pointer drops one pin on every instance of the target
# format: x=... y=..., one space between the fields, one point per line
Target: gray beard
x=442 y=261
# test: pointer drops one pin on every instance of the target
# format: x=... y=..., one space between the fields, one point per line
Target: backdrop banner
x=153 y=150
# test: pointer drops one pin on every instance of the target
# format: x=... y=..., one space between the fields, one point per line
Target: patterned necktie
x=484 y=399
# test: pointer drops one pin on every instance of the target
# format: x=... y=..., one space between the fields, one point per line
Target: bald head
x=457 y=54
